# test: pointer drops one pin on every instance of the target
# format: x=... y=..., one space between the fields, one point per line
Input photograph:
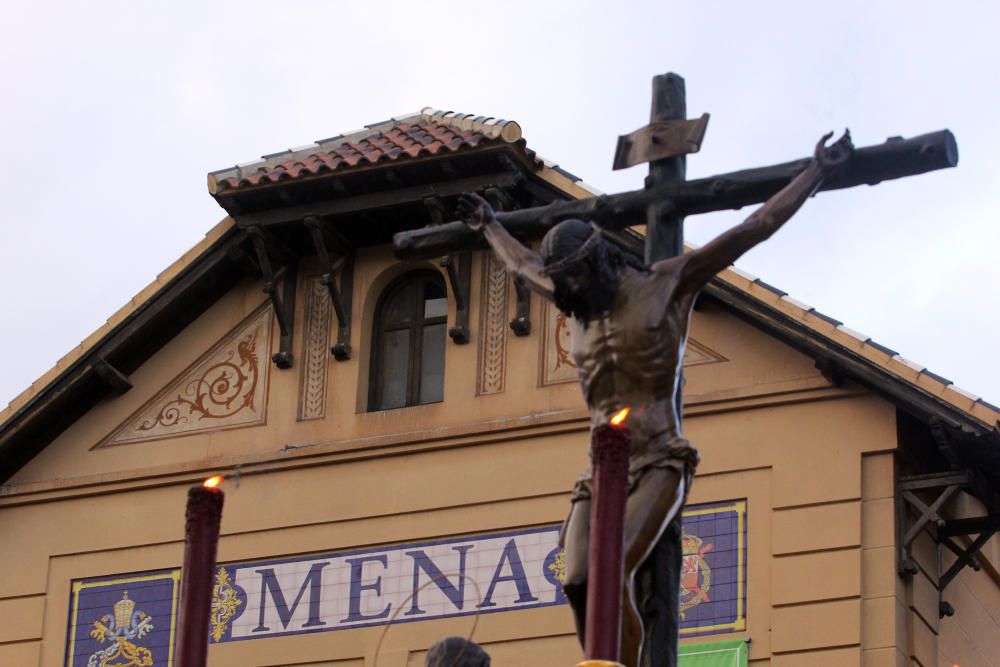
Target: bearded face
x=576 y=259
x=584 y=290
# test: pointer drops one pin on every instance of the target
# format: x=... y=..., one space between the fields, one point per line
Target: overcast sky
x=114 y=112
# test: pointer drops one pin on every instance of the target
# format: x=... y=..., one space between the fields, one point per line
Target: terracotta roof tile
x=425 y=134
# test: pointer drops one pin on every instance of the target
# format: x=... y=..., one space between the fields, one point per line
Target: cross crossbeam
x=895 y=158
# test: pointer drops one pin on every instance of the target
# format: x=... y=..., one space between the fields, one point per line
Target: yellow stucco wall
x=813 y=462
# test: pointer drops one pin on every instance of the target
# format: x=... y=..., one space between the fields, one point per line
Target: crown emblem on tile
x=696 y=575
x=124 y=609
x=121 y=627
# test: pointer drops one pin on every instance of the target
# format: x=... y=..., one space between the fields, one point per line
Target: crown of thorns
x=577 y=256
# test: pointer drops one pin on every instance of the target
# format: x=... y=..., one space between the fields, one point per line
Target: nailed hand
x=836 y=154
x=475 y=211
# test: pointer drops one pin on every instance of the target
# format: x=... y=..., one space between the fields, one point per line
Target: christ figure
x=629 y=324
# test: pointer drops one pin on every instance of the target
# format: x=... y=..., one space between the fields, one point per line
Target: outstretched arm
x=520 y=261
x=698 y=267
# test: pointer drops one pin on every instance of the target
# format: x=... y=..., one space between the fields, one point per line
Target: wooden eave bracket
x=324 y=238
x=831 y=370
x=929 y=518
x=521 y=324
x=458 y=269
x=265 y=244
x=117 y=381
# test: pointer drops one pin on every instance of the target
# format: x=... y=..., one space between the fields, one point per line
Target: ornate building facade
x=399 y=439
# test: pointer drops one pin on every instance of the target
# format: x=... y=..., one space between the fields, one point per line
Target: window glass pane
x=393 y=369
x=398 y=308
x=432 y=364
x=435 y=308
x=434 y=289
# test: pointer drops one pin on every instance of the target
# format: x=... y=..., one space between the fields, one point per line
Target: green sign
x=717 y=654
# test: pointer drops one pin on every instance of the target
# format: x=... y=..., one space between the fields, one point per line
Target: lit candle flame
x=212 y=482
x=619 y=418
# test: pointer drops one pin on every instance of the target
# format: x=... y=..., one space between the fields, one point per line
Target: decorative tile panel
x=714 y=569
x=315 y=350
x=477 y=574
x=557 y=365
x=224 y=388
x=493 y=328
x=127 y=621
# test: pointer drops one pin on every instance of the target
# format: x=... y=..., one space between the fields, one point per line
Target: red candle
x=605 y=574
x=201 y=540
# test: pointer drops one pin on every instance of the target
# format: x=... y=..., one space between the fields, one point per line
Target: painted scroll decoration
x=225 y=604
x=224 y=388
x=493 y=339
x=557 y=365
x=315 y=351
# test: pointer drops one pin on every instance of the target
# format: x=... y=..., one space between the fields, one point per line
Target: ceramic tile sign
x=126 y=621
x=401 y=584
x=714 y=569
x=132 y=618
x=463 y=576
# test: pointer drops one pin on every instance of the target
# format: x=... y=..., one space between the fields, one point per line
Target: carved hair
x=573 y=243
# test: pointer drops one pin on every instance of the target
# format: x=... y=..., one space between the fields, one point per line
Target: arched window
x=409 y=335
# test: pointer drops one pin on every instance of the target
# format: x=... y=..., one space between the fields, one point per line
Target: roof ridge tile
x=940 y=378
x=882 y=348
x=853 y=333
x=771 y=288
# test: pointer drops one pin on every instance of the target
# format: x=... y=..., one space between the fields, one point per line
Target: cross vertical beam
x=665 y=228
x=658 y=580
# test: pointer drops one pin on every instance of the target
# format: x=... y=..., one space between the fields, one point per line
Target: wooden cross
x=662 y=205
x=668 y=198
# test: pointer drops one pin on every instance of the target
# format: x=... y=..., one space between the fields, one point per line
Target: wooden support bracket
x=115 y=379
x=521 y=324
x=459 y=277
x=341 y=298
x=830 y=370
x=941 y=529
x=284 y=304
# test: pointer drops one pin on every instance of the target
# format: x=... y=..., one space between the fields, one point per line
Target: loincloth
x=675 y=453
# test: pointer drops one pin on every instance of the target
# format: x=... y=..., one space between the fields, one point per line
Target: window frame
x=416 y=327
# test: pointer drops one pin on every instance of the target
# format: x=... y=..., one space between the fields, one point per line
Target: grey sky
x=114 y=113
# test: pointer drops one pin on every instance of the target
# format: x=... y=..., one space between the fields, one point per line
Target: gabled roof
x=100 y=364
x=411 y=137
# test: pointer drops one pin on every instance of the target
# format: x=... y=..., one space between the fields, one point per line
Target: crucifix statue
x=629 y=321
x=629 y=324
